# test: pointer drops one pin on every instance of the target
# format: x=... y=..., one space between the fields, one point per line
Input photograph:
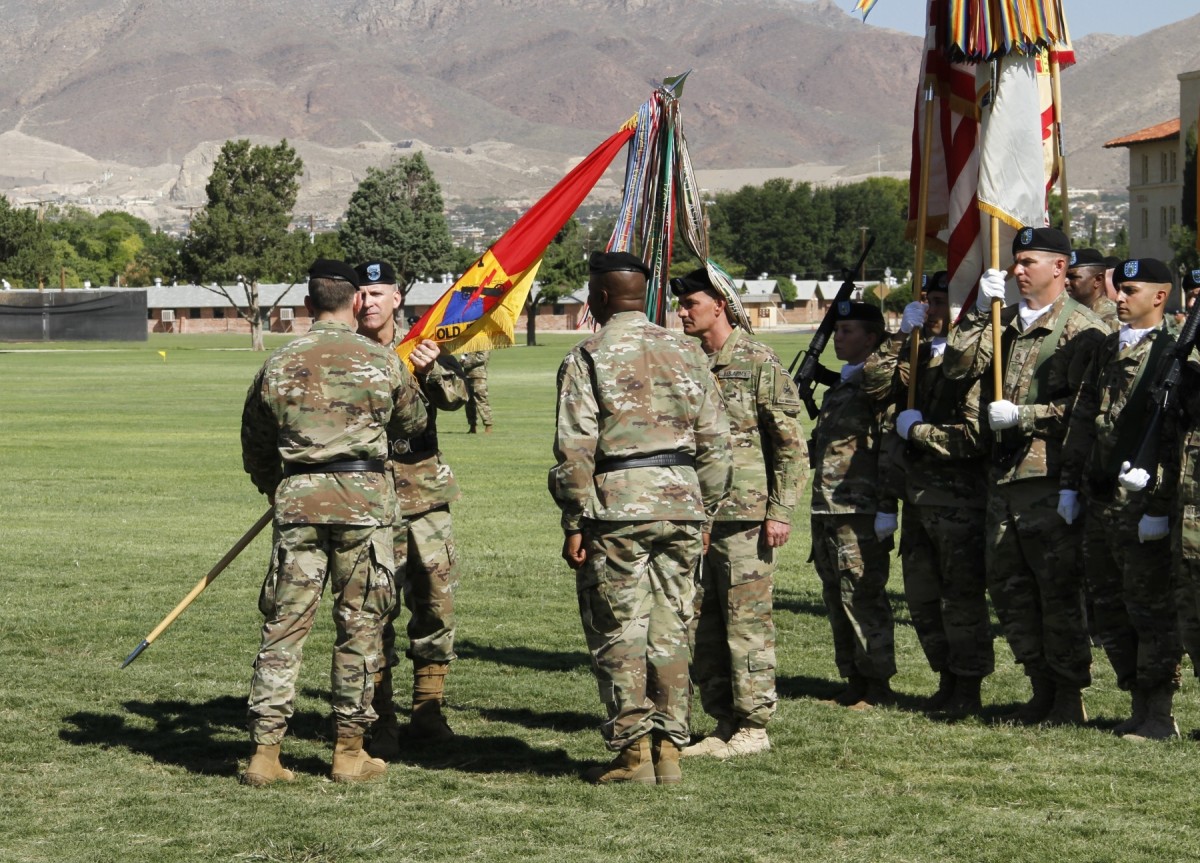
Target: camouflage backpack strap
x=1047 y=348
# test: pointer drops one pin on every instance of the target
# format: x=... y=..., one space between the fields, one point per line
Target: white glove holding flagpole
x=991 y=286
x=1003 y=414
x=913 y=317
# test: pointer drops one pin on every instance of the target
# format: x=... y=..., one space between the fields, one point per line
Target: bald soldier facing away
x=642 y=446
x=315 y=431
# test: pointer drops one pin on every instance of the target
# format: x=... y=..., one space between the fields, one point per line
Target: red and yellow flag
x=479 y=312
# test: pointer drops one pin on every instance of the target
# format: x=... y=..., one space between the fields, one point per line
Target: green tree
x=397 y=215
x=786 y=288
x=241 y=236
x=26 y=253
x=880 y=206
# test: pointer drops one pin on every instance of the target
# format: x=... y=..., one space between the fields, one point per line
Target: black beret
x=375 y=273
x=938 y=283
x=1149 y=270
x=617 y=262
x=848 y=311
x=1111 y=261
x=1191 y=280
x=324 y=268
x=1086 y=258
x=1041 y=240
x=696 y=280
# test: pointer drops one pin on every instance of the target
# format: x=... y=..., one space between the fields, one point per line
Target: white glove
x=1133 y=480
x=1003 y=414
x=905 y=420
x=885 y=525
x=991 y=286
x=1151 y=527
x=1068 y=505
x=913 y=317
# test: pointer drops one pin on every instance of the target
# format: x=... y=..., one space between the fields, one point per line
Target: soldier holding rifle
x=1126 y=558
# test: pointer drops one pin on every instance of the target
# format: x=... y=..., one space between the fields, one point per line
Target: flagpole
x=1056 y=98
x=997 y=360
x=914 y=351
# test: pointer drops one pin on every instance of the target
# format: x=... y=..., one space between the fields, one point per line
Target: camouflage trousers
x=945 y=588
x=478 y=406
x=635 y=593
x=1035 y=583
x=1133 y=598
x=853 y=567
x=427 y=571
x=733 y=642
x=1185 y=558
x=357 y=561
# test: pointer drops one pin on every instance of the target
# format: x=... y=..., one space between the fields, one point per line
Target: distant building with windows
x=1156 y=159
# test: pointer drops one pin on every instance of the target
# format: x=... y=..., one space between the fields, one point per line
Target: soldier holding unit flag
x=426 y=560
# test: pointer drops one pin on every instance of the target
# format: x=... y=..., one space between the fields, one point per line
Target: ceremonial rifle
x=254 y=531
x=1165 y=394
x=810 y=366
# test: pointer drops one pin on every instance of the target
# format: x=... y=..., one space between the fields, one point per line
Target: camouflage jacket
x=942 y=463
x=636 y=389
x=845 y=449
x=1089 y=461
x=770 y=458
x=329 y=395
x=423 y=479
x=1031 y=450
x=1181 y=438
x=1106 y=310
x=473 y=360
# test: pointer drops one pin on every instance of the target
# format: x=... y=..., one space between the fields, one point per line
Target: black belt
x=662 y=459
x=370 y=465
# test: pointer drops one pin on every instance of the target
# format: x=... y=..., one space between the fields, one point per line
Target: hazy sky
x=1123 y=17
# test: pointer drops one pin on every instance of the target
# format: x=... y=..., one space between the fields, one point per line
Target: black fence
x=75 y=315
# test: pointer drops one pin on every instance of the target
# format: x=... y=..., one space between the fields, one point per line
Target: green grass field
x=122 y=484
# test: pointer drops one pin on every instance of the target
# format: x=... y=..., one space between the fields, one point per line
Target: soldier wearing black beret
x=1085 y=284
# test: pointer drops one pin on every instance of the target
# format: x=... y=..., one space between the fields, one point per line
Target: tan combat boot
x=1068 y=706
x=748 y=740
x=633 y=764
x=1134 y=722
x=1159 y=724
x=1038 y=707
x=429 y=688
x=666 y=762
x=351 y=763
x=714 y=744
x=265 y=768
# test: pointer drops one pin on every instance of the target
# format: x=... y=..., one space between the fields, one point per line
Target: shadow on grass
x=188 y=734
x=488 y=754
x=523 y=657
x=825 y=689
x=567 y=721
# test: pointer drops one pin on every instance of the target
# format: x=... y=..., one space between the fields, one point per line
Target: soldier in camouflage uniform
x=944 y=481
x=426 y=563
x=315 y=431
x=1126 y=549
x=642 y=446
x=475 y=364
x=1048 y=340
x=1185 y=539
x=733 y=654
x=853 y=519
x=1085 y=284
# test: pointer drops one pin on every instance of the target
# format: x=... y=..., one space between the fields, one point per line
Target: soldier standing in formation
x=1047 y=341
x=944 y=490
x=315 y=431
x=1086 y=285
x=479 y=406
x=733 y=657
x=852 y=520
x=1126 y=556
x=426 y=562
x=643 y=460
